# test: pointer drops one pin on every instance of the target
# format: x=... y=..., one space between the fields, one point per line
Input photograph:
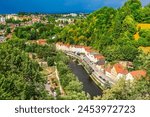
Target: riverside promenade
x=97 y=75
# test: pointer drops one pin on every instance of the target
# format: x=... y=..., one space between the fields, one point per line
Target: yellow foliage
x=143 y=26
x=136 y=36
x=145 y=49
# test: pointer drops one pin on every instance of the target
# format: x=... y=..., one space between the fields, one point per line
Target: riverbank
x=89 y=86
x=89 y=69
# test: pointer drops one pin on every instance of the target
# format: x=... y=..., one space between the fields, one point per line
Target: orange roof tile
x=78 y=46
x=138 y=73
x=88 y=50
x=119 y=69
x=99 y=57
x=108 y=69
x=87 y=47
x=41 y=41
x=67 y=45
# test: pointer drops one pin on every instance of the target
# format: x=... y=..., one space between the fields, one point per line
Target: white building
x=73 y=14
x=135 y=74
x=118 y=71
x=108 y=72
x=2 y=19
x=13 y=16
x=79 y=49
x=91 y=56
x=63 y=47
x=2 y=39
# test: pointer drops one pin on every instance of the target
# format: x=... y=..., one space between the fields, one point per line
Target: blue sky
x=58 y=6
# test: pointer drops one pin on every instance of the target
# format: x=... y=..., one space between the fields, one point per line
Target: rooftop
x=120 y=69
x=98 y=56
x=138 y=73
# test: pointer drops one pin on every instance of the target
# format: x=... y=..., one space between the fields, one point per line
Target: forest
x=21 y=78
x=111 y=31
x=36 y=31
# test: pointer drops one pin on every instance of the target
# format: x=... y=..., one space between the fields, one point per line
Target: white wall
x=129 y=77
x=108 y=74
x=120 y=76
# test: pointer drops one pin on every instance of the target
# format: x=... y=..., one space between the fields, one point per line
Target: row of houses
x=115 y=71
x=30 y=19
x=118 y=71
x=91 y=54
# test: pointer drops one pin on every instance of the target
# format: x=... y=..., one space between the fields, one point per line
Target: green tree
x=126 y=90
x=50 y=61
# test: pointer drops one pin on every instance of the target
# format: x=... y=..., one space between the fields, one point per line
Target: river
x=89 y=85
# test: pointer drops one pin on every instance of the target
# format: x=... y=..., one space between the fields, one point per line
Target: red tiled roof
x=67 y=45
x=99 y=57
x=78 y=46
x=86 y=47
x=138 y=73
x=108 y=69
x=119 y=69
x=41 y=41
x=88 y=50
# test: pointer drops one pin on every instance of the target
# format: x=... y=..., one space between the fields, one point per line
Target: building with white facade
x=135 y=74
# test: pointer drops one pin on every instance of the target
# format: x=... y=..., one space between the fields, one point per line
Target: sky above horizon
x=58 y=6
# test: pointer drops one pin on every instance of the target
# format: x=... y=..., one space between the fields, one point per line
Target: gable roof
x=120 y=69
x=98 y=56
x=138 y=73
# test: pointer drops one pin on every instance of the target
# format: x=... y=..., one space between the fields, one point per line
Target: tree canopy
x=111 y=30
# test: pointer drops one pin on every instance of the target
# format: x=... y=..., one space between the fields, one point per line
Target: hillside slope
x=110 y=30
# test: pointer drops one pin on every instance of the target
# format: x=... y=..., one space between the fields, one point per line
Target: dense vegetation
x=13 y=21
x=69 y=82
x=36 y=31
x=123 y=90
x=111 y=31
x=72 y=86
x=20 y=77
x=144 y=37
x=2 y=26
